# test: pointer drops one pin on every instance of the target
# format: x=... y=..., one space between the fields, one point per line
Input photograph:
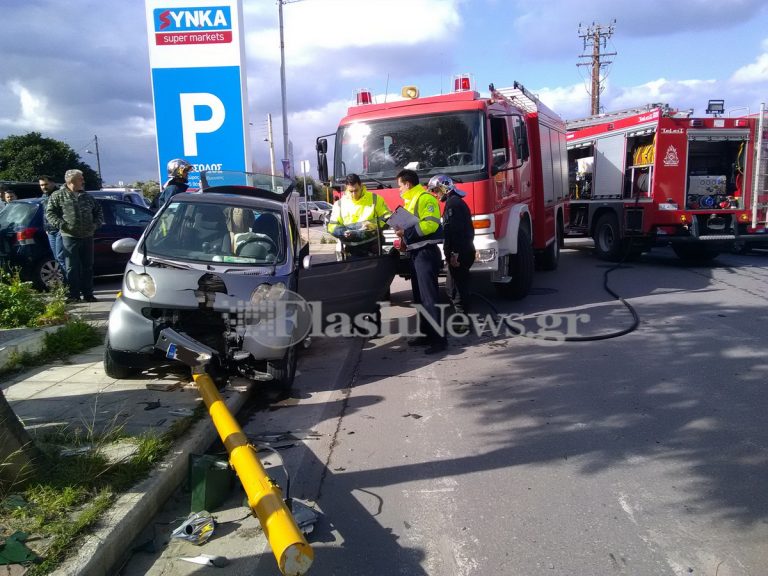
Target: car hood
x=189 y=289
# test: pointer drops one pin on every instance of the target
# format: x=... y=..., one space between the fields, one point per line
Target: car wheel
x=114 y=368
x=283 y=371
x=46 y=274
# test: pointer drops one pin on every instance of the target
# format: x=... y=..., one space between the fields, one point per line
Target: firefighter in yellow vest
x=421 y=241
x=357 y=219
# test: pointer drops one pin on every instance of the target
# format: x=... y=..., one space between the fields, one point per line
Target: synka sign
x=210 y=25
x=197 y=61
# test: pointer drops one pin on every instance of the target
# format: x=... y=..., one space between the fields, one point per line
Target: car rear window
x=17 y=214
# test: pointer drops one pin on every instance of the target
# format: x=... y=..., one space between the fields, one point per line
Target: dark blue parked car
x=24 y=244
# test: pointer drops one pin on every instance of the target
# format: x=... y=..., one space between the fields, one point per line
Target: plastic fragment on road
x=197 y=528
x=206 y=560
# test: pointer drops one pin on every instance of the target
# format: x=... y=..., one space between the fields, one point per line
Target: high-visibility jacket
x=425 y=207
x=348 y=214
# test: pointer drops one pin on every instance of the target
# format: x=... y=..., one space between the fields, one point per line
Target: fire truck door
x=504 y=157
x=608 y=177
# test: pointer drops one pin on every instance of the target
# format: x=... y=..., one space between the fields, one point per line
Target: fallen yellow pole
x=293 y=554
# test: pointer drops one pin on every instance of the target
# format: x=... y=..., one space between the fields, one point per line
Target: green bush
x=23 y=306
x=20 y=303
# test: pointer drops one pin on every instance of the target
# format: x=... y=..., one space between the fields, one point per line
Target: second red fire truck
x=654 y=176
x=506 y=151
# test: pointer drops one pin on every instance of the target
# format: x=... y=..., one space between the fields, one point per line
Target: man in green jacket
x=77 y=216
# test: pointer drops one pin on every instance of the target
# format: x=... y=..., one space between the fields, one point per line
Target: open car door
x=350 y=287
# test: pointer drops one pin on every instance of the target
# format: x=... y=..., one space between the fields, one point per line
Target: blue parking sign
x=197 y=63
x=199 y=117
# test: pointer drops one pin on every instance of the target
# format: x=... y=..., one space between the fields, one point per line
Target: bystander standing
x=48 y=187
x=77 y=216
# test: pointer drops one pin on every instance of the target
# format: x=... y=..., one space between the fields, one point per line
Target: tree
x=149 y=189
x=316 y=188
x=20 y=459
x=24 y=158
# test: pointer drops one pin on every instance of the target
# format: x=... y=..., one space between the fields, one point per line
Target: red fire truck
x=506 y=151
x=654 y=176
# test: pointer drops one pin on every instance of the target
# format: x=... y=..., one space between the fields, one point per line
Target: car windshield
x=203 y=232
x=323 y=205
x=443 y=143
x=17 y=214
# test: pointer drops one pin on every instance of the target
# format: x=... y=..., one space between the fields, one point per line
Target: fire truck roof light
x=462 y=83
x=363 y=97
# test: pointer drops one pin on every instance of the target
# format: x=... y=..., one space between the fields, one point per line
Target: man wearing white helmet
x=458 y=244
x=178 y=174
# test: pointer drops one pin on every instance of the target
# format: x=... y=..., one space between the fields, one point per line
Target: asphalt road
x=645 y=454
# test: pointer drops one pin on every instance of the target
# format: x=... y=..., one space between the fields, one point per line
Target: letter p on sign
x=191 y=126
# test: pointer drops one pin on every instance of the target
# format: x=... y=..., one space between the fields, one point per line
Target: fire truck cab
x=506 y=151
x=654 y=176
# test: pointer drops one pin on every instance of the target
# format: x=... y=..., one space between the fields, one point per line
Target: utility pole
x=596 y=36
x=98 y=157
x=271 y=145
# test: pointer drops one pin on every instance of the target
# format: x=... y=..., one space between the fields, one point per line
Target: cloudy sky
x=72 y=69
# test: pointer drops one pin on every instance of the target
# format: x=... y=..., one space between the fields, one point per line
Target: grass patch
x=81 y=483
x=83 y=478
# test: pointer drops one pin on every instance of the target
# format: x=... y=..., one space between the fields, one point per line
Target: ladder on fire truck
x=518 y=95
x=579 y=123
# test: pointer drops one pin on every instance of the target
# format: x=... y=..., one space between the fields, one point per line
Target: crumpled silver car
x=227 y=267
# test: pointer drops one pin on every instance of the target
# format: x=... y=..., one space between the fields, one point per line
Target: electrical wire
x=606 y=287
x=256 y=446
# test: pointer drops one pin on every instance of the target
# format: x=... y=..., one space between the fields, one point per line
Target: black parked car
x=24 y=244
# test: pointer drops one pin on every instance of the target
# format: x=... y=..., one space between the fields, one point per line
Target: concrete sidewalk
x=77 y=395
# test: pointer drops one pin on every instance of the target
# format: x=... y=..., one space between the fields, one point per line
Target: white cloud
x=567 y=101
x=755 y=72
x=313 y=30
x=33 y=110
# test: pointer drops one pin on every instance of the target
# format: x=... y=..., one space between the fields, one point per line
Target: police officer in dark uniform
x=458 y=245
x=178 y=174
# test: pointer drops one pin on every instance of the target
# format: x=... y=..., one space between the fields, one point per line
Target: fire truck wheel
x=551 y=254
x=607 y=238
x=521 y=267
x=694 y=252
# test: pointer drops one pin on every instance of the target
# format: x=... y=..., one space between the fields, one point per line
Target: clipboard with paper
x=401 y=218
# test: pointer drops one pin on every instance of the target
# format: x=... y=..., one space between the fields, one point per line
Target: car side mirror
x=306 y=262
x=124 y=245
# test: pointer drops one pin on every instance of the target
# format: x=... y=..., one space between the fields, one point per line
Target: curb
x=107 y=545
x=31 y=343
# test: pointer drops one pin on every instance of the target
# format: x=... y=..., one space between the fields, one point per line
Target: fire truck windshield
x=430 y=144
